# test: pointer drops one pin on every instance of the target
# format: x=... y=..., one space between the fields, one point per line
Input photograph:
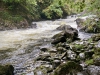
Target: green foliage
x=7 y=16
x=89 y=61
x=53 y=11
x=95 y=7
x=12 y=1
x=44 y=3
x=66 y=68
x=92 y=25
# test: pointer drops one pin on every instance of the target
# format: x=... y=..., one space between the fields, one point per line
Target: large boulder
x=68 y=34
x=58 y=38
x=90 y=25
x=68 y=68
x=64 y=27
x=6 y=70
x=79 y=22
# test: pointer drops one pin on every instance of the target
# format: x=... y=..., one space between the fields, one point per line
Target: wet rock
x=90 y=25
x=61 y=49
x=64 y=55
x=58 y=38
x=71 y=55
x=56 y=63
x=61 y=23
x=44 y=57
x=6 y=70
x=82 y=55
x=79 y=21
x=93 y=70
x=68 y=68
x=78 y=47
x=69 y=34
x=97 y=50
x=89 y=54
x=44 y=49
x=64 y=27
x=43 y=69
x=82 y=73
x=96 y=37
x=97 y=61
x=33 y=25
x=64 y=45
x=53 y=51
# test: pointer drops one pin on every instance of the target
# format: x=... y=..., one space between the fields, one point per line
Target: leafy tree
x=95 y=7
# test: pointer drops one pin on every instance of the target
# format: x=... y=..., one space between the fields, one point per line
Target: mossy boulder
x=68 y=67
x=90 y=25
x=79 y=22
x=68 y=34
x=96 y=37
x=97 y=61
x=6 y=70
x=64 y=27
x=43 y=69
x=96 y=56
x=89 y=54
x=61 y=49
x=58 y=38
x=79 y=47
x=97 y=50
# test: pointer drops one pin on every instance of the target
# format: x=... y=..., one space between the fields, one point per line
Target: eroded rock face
x=68 y=34
x=6 y=70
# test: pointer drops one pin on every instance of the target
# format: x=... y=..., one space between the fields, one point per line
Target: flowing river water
x=21 y=47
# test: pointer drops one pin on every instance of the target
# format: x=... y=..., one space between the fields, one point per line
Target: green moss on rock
x=66 y=68
x=89 y=62
x=6 y=70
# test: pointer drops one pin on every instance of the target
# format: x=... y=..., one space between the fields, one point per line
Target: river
x=21 y=47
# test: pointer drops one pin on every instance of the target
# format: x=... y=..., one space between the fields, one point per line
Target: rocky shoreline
x=69 y=55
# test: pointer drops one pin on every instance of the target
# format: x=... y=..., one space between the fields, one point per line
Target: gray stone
x=82 y=55
x=93 y=70
x=71 y=55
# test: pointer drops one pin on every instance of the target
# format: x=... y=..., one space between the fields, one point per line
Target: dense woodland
x=23 y=12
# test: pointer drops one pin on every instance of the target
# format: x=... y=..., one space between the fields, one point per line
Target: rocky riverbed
x=52 y=48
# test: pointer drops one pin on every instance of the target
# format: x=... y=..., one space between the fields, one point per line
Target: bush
x=53 y=11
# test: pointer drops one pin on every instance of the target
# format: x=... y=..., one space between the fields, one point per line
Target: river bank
x=31 y=53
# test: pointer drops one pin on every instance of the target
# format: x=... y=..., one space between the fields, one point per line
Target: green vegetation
x=94 y=6
x=69 y=67
x=89 y=61
x=18 y=11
